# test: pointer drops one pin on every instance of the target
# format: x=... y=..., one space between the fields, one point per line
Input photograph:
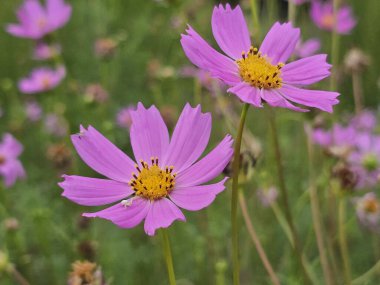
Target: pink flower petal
x=10 y=146
x=194 y=198
x=204 y=56
x=208 y=167
x=280 y=42
x=306 y=71
x=124 y=216
x=275 y=99
x=93 y=191
x=149 y=134
x=230 y=30
x=323 y=100
x=247 y=94
x=103 y=156
x=189 y=139
x=58 y=13
x=162 y=214
x=11 y=171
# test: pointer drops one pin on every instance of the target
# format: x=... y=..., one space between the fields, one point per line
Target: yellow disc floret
x=151 y=181
x=256 y=70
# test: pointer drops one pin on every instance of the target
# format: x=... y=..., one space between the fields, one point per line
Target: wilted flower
x=60 y=155
x=44 y=51
x=366 y=159
x=365 y=121
x=346 y=176
x=95 y=93
x=33 y=111
x=85 y=273
x=87 y=249
x=55 y=125
x=323 y=17
x=260 y=75
x=36 y=21
x=368 y=211
x=356 y=60
x=11 y=168
x=307 y=48
x=105 y=47
x=267 y=196
x=167 y=174
x=11 y=224
x=124 y=117
x=42 y=79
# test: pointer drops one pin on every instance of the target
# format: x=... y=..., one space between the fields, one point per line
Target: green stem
x=284 y=195
x=343 y=240
x=234 y=200
x=292 y=9
x=256 y=241
x=255 y=16
x=363 y=279
x=168 y=255
x=334 y=48
x=316 y=214
x=358 y=93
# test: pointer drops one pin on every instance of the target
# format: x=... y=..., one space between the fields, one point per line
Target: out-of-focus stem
x=234 y=200
x=256 y=240
x=284 y=195
x=343 y=240
x=168 y=255
x=292 y=12
x=363 y=279
x=357 y=90
x=316 y=214
x=255 y=17
x=334 y=47
x=17 y=276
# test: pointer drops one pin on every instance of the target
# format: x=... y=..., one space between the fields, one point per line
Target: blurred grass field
x=145 y=67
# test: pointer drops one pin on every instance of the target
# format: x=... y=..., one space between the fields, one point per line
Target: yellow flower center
x=2 y=159
x=152 y=182
x=255 y=69
x=371 y=206
x=328 y=21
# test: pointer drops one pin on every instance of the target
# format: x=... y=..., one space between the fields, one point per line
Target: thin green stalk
x=366 y=277
x=358 y=93
x=343 y=241
x=197 y=91
x=284 y=195
x=334 y=48
x=234 y=200
x=256 y=240
x=17 y=276
x=255 y=17
x=292 y=12
x=168 y=255
x=316 y=215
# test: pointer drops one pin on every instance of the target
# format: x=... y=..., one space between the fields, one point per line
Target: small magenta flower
x=33 y=111
x=43 y=51
x=323 y=17
x=307 y=48
x=124 y=117
x=365 y=121
x=11 y=168
x=42 y=79
x=260 y=75
x=166 y=177
x=267 y=196
x=36 y=21
x=55 y=125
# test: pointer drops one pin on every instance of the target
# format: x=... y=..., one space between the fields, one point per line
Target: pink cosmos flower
x=124 y=117
x=36 y=21
x=33 y=111
x=43 y=51
x=260 y=75
x=322 y=15
x=307 y=48
x=368 y=211
x=365 y=121
x=55 y=125
x=41 y=80
x=165 y=177
x=11 y=168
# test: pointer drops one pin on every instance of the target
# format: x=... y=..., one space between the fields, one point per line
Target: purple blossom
x=11 y=168
x=43 y=51
x=260 y=75
x=124 y=117
x=55 y=125
x=267 y=196
x=322 y=15
x=41 y=80
x=33 y=111
x=365 y=121
x=307 y=48
x=36 y=20
x=166 y=177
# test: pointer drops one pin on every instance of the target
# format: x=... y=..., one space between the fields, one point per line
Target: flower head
x=323 y=17
x=95 y=93
x=307 y=48
x=43 y=51
x=260 y=75
x=267 y=196
x=85 y=272
x=41 y=80
x=55 y=125
x=368 y=211
x=11 y=168
x=364 y=122
x=165 y=176
x=33 y=111
x=124 y=117
x=36 y=20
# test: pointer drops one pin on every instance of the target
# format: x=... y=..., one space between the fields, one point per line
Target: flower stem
x=316 y=214
x=168 y=255
x=292 y=12
x=357 y=90
x=284 y=195
x=363 y=279
x=255 y=16
x=343 y=241
x=18 y=276
x=234 y=200
x=334 y=48
x=256 y=240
